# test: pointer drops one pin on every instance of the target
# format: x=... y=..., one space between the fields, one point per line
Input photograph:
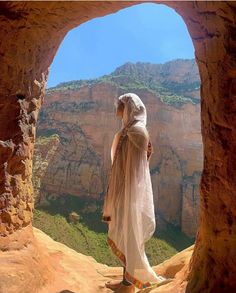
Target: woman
x=128 y=206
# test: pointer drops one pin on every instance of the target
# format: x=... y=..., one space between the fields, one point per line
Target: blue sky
x=145 y=32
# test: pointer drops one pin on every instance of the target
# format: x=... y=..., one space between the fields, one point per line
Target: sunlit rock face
x=71 y=269
x=32 y=32
x=82 y=116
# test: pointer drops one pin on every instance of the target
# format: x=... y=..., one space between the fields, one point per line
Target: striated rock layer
x=32 y=32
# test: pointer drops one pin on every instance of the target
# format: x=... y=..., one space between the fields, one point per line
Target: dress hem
x=122 y=258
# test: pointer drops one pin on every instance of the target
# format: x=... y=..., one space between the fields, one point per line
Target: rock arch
x=30 y=35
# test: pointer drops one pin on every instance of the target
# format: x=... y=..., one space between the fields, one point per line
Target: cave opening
x=72 y=156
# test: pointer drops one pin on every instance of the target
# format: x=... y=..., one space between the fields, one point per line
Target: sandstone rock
x=45 y=149
x=25 y=267
x=25 y=56
x=190 y=204
x=74 y=271
x=73 y=217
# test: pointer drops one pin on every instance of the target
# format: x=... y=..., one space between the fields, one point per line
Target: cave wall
x=30 y=35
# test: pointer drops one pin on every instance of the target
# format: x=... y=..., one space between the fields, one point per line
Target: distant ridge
x=177 y=79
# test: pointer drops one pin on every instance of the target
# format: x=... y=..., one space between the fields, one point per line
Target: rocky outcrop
x=72 y=270
x=32 y=32
x=24 y=261
x=82 y=115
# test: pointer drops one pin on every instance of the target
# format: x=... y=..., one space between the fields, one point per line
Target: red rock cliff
x=84 y=118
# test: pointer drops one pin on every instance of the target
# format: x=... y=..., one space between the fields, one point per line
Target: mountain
x=175 y=82
x=75 y=131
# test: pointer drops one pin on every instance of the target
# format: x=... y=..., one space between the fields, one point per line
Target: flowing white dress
x=129 y=202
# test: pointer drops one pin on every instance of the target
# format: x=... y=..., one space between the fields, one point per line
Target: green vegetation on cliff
x=174 y=82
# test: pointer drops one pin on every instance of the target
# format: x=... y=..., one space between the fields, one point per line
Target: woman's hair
x=119 y=104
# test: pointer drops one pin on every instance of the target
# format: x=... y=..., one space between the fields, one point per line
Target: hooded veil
x=128 y=204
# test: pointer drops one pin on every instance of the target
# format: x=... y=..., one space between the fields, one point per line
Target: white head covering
x=134 y=109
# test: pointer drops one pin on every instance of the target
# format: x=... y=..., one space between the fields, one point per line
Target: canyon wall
x=77 y=125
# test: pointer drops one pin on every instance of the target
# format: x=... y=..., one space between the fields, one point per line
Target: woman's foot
x=125 y=289
x=113 y=285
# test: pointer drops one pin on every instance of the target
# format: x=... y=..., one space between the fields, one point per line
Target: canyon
x=77 y=123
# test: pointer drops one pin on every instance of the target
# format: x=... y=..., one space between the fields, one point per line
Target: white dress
x=129 y=201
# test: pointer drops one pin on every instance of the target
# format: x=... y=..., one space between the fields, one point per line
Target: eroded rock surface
x=76 y=272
